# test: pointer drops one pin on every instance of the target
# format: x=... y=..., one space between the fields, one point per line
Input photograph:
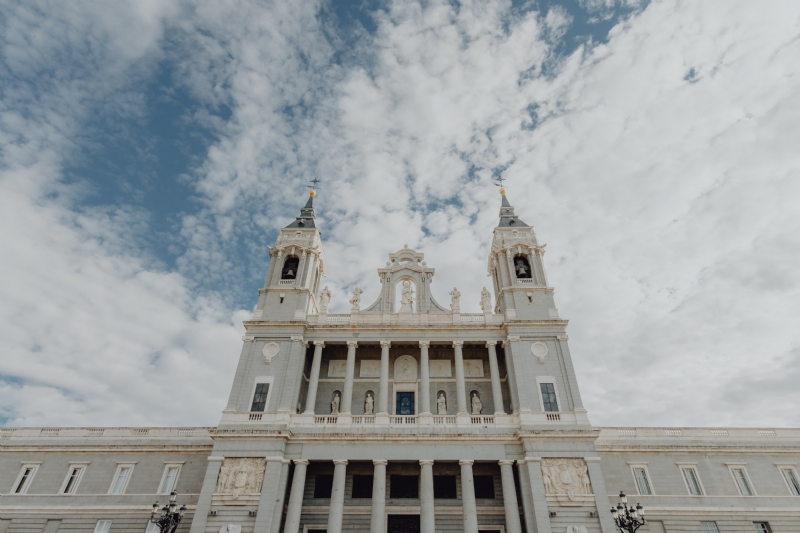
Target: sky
x=150 y=151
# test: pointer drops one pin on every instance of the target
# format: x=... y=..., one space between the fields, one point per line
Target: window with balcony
x=260 y=398
x=549 y=401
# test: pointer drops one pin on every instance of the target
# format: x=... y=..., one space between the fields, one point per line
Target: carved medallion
x=270 y=350
x=539 y=350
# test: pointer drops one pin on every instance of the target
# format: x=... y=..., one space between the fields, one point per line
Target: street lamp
x=627 y=520
x=170 y=516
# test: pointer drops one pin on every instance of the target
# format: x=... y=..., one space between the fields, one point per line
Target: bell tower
x=297 y=263
x=517 y=270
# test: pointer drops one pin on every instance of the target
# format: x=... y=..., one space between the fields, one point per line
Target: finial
x=498 y=180
x=312 y=192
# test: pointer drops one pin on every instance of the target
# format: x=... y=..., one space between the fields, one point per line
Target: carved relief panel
x=566 y=480
x=240 y=476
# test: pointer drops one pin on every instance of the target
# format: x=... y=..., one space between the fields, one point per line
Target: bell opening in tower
x=290 y=268
x=522 y=267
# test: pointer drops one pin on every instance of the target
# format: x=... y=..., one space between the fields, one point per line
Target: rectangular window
x=762 y=527
x=323 y=485
x=692 y=481
x=642 y=483
x=362 y=486
x=168 y=479
x=790 y=475
x=152 y=528
x=742 y=481
x=260 y=397
x=121 y=479
x=74 y=476
x=24 y=479
x=709 y=527
x=484 y=486
x=102 y=526
x=404 y=487
x=444 y=487
x=549 y=397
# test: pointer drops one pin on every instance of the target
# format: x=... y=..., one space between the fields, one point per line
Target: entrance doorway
x=403 y=523
x=405 y=403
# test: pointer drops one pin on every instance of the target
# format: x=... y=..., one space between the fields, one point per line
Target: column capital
x=458 y=344
x=491 y=343
x=426 y=462
x=386 y=344
x=352 y=343
x=340 y=461
x=301 y=461
x=506 y=462
x=286 y=461
x=321 y=344
x=424 y=344
x=379 y=461
x=463 y=462
x=298 y=338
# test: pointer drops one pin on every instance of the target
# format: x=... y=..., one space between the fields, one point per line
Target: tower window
x=362 y=486
x=444 y=487
x=522 y=267
x=290 y=268
x=323 y=485
x=404 y=487
x=549 y=397
x=484 y=487
x=260 y=397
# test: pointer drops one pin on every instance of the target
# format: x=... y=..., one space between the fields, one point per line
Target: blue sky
x=149 y=153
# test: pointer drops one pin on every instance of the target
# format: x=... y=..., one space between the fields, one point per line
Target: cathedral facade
x=403 y=415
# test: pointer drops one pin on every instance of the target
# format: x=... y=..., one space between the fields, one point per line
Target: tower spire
x=507 y=216
x=307 y=215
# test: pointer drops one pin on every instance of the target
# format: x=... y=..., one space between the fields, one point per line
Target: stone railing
x=286 y=282
x=402 y=420
x=472 y=317
x=553 y=417
x=69 y=433
x=528 y=281
x=482 y=420
x=701 y=433
x=339 y=318
x=443 y=420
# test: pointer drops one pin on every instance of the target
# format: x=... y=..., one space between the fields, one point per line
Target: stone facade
x=406 y=415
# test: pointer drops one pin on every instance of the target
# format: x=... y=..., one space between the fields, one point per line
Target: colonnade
x=424 y=391
x=427 y=516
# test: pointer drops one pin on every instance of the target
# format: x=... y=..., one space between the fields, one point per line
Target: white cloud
x=662 y=174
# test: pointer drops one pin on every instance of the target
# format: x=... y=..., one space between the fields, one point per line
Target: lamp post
x=170 y=515
x=627 y=520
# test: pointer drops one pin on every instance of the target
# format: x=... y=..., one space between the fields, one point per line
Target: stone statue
x=356 y=301
x=521 y=270
x=477 y=406
x=369 y=404
x=441 y=404
x=405 y=295
x=324 y=299
x=486 y=299
x=335 y=404
x=455 y=299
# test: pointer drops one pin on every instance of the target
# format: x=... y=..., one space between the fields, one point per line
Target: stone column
x=510 y=497
x=277 y=516
x=377 y=522
x=337 y=497
x=600 y=494
x=383 y=398
x=313 y=379
x=525 y=493
x=267 y=502
x=293 y=375
x=206 y=492
x=494 y=369
x=427 y=520
x=460 y=386
x=425 y=381
x=540 y=512
x=347 y=393
x=468 y=497
x=296 y=497
x=512 y=376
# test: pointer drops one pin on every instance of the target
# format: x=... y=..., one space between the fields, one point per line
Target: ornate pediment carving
x=241 y=476
x=566 y=477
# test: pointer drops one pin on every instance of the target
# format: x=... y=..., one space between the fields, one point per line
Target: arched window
x=522 y=267
x=290 y=267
